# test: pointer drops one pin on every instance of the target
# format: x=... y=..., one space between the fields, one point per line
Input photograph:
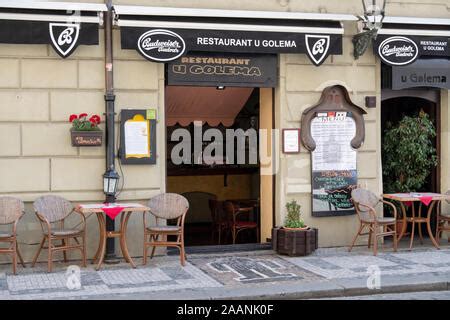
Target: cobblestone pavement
x=427 y=295
x=337 y=264
x=243 y=271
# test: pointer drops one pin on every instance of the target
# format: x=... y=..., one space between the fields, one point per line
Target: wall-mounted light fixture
x=370 y=23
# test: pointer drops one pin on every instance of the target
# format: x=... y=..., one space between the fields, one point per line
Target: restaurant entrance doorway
x=396 y=104
x=212 y=159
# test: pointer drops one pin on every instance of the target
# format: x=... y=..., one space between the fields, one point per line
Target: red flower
x=73 y=117
x=82 y=115
x=95 y=119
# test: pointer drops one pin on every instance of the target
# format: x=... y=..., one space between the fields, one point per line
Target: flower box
x=295 y=242
x=86 y=138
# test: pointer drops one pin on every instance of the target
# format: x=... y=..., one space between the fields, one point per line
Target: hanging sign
x=63 y=37
x=402 y=50
x=334 y=173
x=149 y=42
x=238 y=70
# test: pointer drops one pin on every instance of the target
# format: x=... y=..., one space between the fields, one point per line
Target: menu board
x=334 y=173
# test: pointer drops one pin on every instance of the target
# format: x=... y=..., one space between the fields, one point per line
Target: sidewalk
x=262 y=274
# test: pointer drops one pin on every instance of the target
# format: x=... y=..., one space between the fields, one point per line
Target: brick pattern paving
x=165 y=274
x=353 y=265
x=215 y=271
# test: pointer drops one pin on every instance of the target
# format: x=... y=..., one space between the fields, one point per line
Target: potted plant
x=85 y=131
x=294 y=238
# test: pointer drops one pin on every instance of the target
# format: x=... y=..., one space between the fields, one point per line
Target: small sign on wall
x=138 y=136
x=291 y=140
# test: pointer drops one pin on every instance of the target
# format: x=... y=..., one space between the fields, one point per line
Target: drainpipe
x=110 y=136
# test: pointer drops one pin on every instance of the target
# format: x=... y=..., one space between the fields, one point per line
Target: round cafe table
x=128 y=209
x=408 y=199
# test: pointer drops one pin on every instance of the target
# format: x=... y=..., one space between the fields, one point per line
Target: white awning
x=238 y=20
x=415 y=26
x=52 y=11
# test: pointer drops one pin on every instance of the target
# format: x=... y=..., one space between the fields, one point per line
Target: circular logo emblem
x=398 y=51
x=161 y=45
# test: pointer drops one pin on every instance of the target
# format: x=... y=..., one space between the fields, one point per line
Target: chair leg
x=84 y=251
x=370 y=237
x=14 y=258
x=375 y=242
x=19 y=255
x=234 y=235
x=144 y=255
x=155 y=238
x=38 y=252
x=356 y=237
x=63 y=243
x=395 y=239
x=50 y=256
x=182 y=254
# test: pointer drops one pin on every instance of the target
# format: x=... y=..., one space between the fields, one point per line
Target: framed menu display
x=291 y=140
x=334 y=173
x=137 y=137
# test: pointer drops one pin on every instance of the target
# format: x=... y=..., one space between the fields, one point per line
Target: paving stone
x=258 y=274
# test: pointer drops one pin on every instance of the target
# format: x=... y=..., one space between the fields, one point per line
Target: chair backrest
x=53 y=208
x=11 y=209
x=364 y=197
x=230 y=211
x=168 y=206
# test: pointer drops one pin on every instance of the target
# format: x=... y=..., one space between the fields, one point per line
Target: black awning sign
x=64 y=37
x=318 y=47
x=402 y=50
x=236 y=70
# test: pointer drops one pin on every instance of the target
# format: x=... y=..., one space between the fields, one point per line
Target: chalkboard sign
x=138 y=136
x=334 y=173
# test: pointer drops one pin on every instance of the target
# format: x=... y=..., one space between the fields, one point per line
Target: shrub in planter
x=84 y=131
x=294 y=238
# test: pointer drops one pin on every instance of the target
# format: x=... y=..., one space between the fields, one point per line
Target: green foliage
x=293 y=219
x=408 y=153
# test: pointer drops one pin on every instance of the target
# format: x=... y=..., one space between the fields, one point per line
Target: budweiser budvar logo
x=166 y=46
x=398 y=51
x=161 y=45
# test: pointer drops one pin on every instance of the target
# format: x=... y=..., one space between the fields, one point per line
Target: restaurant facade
x=287 y=56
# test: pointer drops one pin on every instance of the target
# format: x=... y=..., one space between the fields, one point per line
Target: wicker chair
x=166 y=206
x=443 y=222
x=53 y=210
x=11 y=210
x=237 y=225
x=365 y=203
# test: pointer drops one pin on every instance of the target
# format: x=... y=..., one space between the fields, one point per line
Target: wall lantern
x=110 y=182
x=370 y=23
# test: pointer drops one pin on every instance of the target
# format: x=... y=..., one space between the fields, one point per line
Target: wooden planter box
x=86 y=138
x=295 y=242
